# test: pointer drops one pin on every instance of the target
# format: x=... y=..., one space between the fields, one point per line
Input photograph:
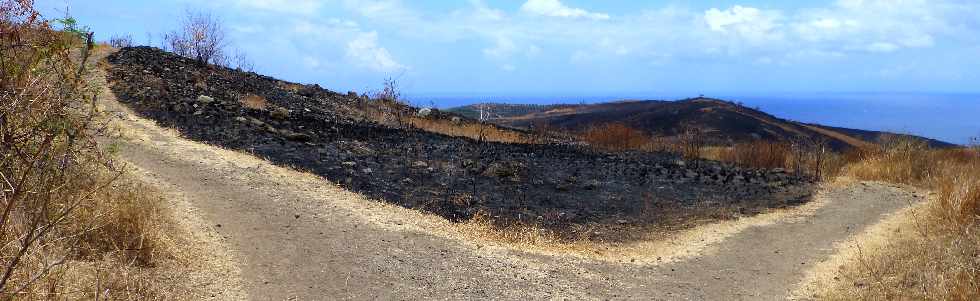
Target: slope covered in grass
x=935 y=256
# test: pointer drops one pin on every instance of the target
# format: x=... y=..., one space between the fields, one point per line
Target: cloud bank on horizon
x=591 y=46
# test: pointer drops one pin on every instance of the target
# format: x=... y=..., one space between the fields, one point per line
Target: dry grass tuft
x=472 y=130
x=396 y=114
x=758 y=154
x=616 y=137
x=254 y=102
x=517 y=234
x=937 y=257
x=72 y=224
x=122 y=239
x=906 y=162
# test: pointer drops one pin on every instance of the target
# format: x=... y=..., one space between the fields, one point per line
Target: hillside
x=296 y=236
x=721 y=122
x=615 y=202
x=324 y=132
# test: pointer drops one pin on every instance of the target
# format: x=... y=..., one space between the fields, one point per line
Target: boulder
x=280 y=113
x=205 y=99
x=501 y=170
x=294 y=136
x=255 y=122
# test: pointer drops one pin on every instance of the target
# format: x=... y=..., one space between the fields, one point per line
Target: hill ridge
x=726 y=121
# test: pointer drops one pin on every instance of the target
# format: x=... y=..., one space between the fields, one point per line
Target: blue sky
x=572 y=47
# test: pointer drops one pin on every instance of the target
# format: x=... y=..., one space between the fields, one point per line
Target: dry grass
x=811 y=160
x=73 y=225
x=472 y=130
x=397 y=114
x=936 y=257
x=806 y=157
x=121 y=239
x=905 y=162
x=616 y=137
x=254 y=102
x=758 y=154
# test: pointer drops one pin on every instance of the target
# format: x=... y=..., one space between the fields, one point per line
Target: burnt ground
x=457 y=178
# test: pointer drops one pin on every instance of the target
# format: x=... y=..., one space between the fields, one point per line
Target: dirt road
x=299 y=237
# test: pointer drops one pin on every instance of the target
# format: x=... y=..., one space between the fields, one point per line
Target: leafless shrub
x=201 y=36
x=389 y=104
x=758 y=154
x=811 y=155
x=121 y=41
x=58 y=205
x=42 y=143
x=242 y=62
x=540 y=132
x=615 y=137
x=390 y=91
x=691 y=143
x=975 y=144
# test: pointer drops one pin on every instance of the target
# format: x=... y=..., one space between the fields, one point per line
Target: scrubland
x=74 y=224
x=934 y=254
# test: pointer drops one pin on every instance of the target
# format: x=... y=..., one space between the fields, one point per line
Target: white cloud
x=611 y=46
x=329 y=27
x=364 y=50
x=554 y=8
x=749 y=23
x=824 y=28
x=882 y=47
x=662 y=34
x=303 y=7
x=503 y=47
x=882 y=25
x=483 y=11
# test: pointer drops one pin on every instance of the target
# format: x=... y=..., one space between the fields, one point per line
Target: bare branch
x=201 y=36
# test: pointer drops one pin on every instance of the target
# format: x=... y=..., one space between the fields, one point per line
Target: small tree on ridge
x=201 y=36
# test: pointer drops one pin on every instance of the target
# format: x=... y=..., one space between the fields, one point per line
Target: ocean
x=948 y=117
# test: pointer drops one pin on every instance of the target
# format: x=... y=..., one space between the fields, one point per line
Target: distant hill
x=721 y=122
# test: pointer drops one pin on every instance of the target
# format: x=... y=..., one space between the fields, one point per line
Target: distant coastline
x=949 y=117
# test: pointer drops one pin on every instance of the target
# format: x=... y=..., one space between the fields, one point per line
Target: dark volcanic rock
x=320 y=131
